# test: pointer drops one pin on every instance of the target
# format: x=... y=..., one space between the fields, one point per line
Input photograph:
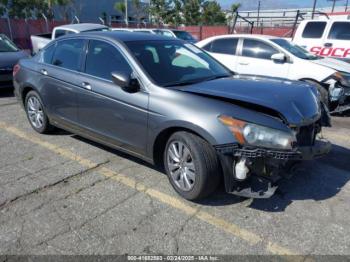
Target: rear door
x=311 y=37
x=338 y=40
x=60 y=67
x=105 y=109
x=224 y=50
x=256 y=59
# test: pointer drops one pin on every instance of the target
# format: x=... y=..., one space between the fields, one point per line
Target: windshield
x=6 y=45
x=183 y=35
x=172 y=63
x=295 y=49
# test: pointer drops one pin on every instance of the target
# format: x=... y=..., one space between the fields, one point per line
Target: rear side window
x=340 y=31
x=314 y=29
x=68 y=54
x=48 y=54
x=61 y=32
x=257 y=49
x=223 y=46
x=102 y=59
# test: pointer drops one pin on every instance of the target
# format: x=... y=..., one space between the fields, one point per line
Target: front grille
x=306 y=135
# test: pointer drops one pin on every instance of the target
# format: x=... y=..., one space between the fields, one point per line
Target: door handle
x=244 y=63
x=44 y=72
x=328 y=44
x=86 y=85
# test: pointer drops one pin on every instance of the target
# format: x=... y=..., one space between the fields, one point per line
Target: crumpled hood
x=334 y=64
x=9 y=59
x=296 y=101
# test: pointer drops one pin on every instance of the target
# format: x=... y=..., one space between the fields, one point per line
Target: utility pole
x=126 y=14
x=334 y=2
x=314 y=9
x=346 y=5
x=258 y=17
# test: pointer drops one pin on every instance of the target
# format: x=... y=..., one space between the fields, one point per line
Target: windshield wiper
x=195 y=81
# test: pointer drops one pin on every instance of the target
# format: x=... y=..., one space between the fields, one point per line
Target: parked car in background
x=173 y=33
x=180 y=34
x=277 y=57
x=40 y=41
x=329 y=38
x=170 y=103
x=10 y=54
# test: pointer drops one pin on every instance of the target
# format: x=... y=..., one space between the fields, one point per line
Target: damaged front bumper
x=266 y=166
x=339 y=96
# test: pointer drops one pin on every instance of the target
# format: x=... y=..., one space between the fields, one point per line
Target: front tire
x=36 y=113
x=191 y=165
x=323 y=92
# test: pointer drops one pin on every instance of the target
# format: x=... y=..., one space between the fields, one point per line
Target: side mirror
x=124 y=80
x=279 y=58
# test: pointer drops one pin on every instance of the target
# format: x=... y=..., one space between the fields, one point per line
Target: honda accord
x=171 y=104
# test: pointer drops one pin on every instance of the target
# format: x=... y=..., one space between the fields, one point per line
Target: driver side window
x=258 y=49
x=102 y=59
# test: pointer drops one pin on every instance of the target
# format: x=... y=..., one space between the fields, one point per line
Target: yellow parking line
x=174 y=202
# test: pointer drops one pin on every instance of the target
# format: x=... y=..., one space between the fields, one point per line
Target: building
x=93 y=11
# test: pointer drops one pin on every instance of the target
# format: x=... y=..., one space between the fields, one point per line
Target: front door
x=105 y=109
x=256 y=60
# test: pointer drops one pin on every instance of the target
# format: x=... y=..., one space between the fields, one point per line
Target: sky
x=276 y=4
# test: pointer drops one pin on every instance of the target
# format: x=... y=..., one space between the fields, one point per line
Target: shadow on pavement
x=315 y=180
x=6 y=92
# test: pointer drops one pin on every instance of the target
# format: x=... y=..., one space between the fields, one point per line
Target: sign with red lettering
x=338 y=52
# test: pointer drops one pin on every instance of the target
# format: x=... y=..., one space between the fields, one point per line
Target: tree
x=31 y=8
x=175 y=15
x=213 y=14
x=120 y=6
x=192 y=11
x=233 y=10
x=139 y=9
x=160 y=10
x=3 y=7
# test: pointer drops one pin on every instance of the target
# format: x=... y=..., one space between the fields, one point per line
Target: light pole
x=126 y=14
x=346 y=5
x=314 y=9
x=258 y=18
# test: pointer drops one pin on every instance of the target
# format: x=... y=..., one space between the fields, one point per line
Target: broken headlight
x=256 y=135
x=343 y=78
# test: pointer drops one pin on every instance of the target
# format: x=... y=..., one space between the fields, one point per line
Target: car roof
x=256 y=36
x=82 y=27
x=121 y=36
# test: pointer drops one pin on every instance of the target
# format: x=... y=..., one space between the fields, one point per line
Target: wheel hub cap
x=35 y=112
x=181 y=166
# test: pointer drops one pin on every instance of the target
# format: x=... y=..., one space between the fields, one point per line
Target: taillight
x=16 y=69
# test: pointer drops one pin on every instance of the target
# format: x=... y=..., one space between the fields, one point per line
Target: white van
x=329 y=38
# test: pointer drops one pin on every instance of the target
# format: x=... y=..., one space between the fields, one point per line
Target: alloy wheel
x=181 y=166
x=35 y=112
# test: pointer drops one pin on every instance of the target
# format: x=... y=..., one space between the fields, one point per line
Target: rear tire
x=36 y=113
x=192 y=165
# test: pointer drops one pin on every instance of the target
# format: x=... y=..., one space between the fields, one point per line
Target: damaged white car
x=278 y=57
